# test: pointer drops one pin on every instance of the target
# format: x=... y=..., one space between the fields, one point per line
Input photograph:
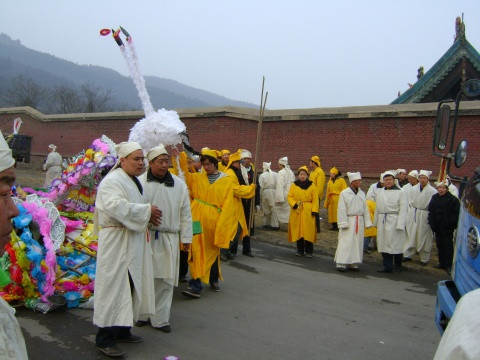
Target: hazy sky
x=313 y=53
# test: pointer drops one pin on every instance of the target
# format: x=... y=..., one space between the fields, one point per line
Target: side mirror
x=461 y=153
x=442 y=126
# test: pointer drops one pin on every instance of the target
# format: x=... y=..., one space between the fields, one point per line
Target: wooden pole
x=263 y=103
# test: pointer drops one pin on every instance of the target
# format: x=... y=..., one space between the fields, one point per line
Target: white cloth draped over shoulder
x=12 y=344
x=390 y=220
x=176 y=225
x=122 y=215
x=460 y=339
x=285 y=178
x=352 y=218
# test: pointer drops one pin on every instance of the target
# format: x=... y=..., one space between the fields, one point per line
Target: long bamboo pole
x=263 y=103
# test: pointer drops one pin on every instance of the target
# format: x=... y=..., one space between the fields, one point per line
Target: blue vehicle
x=466 y=262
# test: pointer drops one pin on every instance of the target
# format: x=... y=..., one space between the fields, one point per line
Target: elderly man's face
x=225 y=157
x=412 y=180
x=8 y=210
x=133 y=164
x=159 y=165
x=246 y=161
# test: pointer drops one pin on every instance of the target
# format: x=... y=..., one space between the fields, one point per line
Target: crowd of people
x=158 y=222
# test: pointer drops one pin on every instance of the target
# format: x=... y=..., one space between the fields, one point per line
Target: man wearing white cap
x=285 y=179
x=390 y=219
x=124 y=273
x=402 y=177
x=170 y=194
x=53 y=165
x=248 y=173
x=268 y=184
x=420 y=235
x=352 y=218
x=12 y=344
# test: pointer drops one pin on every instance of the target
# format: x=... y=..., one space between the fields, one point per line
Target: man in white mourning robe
x=420 y=235
x=268 y=184
x=285 y=178
x=374 y=189
x=353 y=216
x=12 y=343
x=390 y=219
x=170 y=194
x=124 y=278
x=52 y=165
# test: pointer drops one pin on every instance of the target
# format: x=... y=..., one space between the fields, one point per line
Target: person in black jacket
x=443 y=211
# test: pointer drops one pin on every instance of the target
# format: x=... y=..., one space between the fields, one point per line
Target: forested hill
x=47 y=77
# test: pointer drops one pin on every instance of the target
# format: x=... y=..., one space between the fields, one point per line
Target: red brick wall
x=367 y=144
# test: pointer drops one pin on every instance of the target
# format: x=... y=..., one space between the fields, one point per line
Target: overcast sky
x=313 y=53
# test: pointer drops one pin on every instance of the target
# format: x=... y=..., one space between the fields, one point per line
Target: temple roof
x=443 y=81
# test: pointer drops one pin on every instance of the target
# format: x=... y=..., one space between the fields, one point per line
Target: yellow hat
x=316 y=159
x=225 y=152
x=219 y=153
x=234 y=157
x=212 y=153
x=304 y=168
x=334 y=170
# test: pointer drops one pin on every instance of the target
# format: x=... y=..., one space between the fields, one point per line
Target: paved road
x=273 y=306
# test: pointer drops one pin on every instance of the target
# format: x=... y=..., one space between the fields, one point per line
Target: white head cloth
x=444 y=183
x=413 y=173
x=53 y=147
x=124 y=149
x=354 y=176
x=266 y=166
x=6 y=160
x=245 y=154
x=284 y=161
x=381 y=177
x=389 y=172
x=156 y=151
x=425 y=173
x=401 y=171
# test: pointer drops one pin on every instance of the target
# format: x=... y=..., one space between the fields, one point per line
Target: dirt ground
x=31 y=175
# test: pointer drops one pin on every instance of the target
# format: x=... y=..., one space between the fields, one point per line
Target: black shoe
x=214 y=287
x=183 y=279
x=356 y=268
x=406 y=259
x=299 y=254
x=141 y=323
x=266 y=227
x=164 y=328
x=385 y=270
x=341 y=269
x=111 y=351
x=275 y=228
x=308 y=255
x=131 y=339
x=191 y=293
x=249 y=254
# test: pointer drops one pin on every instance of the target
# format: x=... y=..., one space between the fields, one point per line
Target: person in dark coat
x=443 y=211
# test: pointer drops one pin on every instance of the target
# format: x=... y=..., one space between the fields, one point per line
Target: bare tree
x=65 y=100
x=24 y=92
x=96 y=99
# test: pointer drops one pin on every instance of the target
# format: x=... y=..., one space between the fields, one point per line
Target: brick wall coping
x=467 y=108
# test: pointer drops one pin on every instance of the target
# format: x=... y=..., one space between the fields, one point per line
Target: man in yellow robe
x=317 y=177
x=212 y=205
x=335 y=186
x=222 y=165
x=240 y=191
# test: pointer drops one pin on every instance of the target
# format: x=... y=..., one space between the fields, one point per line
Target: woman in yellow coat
x=335 y=186
x=212 y=204
x=303 y=201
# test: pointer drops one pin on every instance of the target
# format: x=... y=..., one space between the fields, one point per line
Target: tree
x=65 y=100
x=96 y=99
x=24 y=92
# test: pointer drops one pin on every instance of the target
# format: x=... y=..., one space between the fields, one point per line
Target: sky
x=313 y=53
